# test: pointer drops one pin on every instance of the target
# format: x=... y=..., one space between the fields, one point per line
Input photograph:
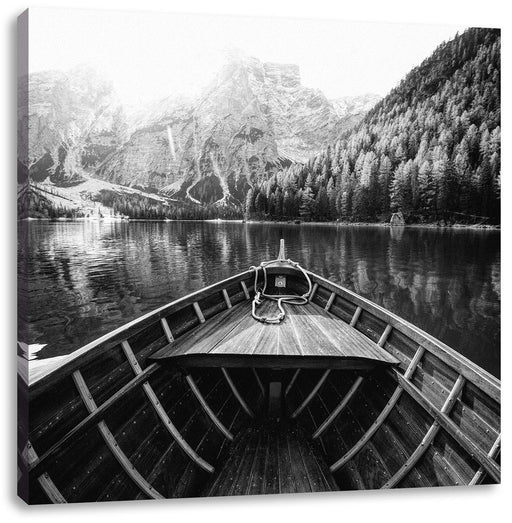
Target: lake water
x=84 y=279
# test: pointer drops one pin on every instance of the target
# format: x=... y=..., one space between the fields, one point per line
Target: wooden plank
x=257 y=483
x=271 y=479
x=44 y=479
x=339 y=408
x=241 y=466
x=226 y=298
x=111 y=442
x=299 y=461
x=313 y=291
x=454 y=458
x=308 y=332
x=346 y=340
x=370 y=432
x=355 y=317
x=318 y=476
x=288 y=482
x=447 y=424
x=312 y=394
x=477 y=478
x=244 y=479
x=237 y=395
x=250 y=476
x=476 y=428
x=205 y=337
x=162 y=415
x=427 y=439
x=244 y=339
x=468 y=369
x=93 y=417
x=167 y=330
x=207 y=409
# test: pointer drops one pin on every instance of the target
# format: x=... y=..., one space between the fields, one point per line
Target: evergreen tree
x=321 y=207
x=259 y=204
x=331 y=196
x=306 y=204
x=401 y=191
x=384 y=184
x=431 y=147
x=279 y=203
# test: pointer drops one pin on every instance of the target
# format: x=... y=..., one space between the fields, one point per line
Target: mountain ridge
x=429 y=149
x=258 y=141
x=252 y=119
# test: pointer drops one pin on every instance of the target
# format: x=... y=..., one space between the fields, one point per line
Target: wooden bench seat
x=308 y=337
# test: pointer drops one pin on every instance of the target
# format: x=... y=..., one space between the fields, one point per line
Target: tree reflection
x=84 y=279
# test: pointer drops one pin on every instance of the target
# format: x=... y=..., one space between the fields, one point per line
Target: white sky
x=149 y=55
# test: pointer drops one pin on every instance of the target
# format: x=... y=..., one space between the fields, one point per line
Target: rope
x=291 y=299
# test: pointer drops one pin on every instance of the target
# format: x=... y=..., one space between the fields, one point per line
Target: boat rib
x=311 y=395
x=88 y=422
x=337 y=410
x=153 y=399
x=111 y=441
x=492 y=454
x=44 y=479
x=292 y=381
x=237 y=395
x=449 y=426
x=381 y=417
x=206 y=408
x=428 y=438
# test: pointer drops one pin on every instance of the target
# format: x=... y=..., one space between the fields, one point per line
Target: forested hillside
x=430 y=149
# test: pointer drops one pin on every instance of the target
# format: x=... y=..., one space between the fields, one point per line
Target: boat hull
x=110 y=422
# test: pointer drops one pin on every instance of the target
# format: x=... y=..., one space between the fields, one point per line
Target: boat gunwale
x=69 y=362
x=474 y=374
x=481 y=378
x=434 y=346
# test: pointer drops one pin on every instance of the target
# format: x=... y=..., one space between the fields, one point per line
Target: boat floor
x=273 y=457
x=308 y=337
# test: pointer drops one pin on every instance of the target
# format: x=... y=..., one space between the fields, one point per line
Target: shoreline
x=381 y=224
x=276 y=222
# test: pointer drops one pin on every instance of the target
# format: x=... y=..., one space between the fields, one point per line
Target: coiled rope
x=291 y=299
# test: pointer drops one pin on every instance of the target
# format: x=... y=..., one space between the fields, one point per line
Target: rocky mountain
x=352 y=109
x=253 y=119
x=68 y=124
x=431 y=149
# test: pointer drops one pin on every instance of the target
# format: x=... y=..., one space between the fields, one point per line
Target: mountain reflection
x=84 y=279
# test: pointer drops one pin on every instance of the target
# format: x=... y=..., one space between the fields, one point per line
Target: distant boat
x=274 y=380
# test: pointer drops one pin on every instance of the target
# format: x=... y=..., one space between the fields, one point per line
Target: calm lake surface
x=87 y=278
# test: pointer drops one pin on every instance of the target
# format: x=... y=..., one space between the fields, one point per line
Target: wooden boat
x=199 y=398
